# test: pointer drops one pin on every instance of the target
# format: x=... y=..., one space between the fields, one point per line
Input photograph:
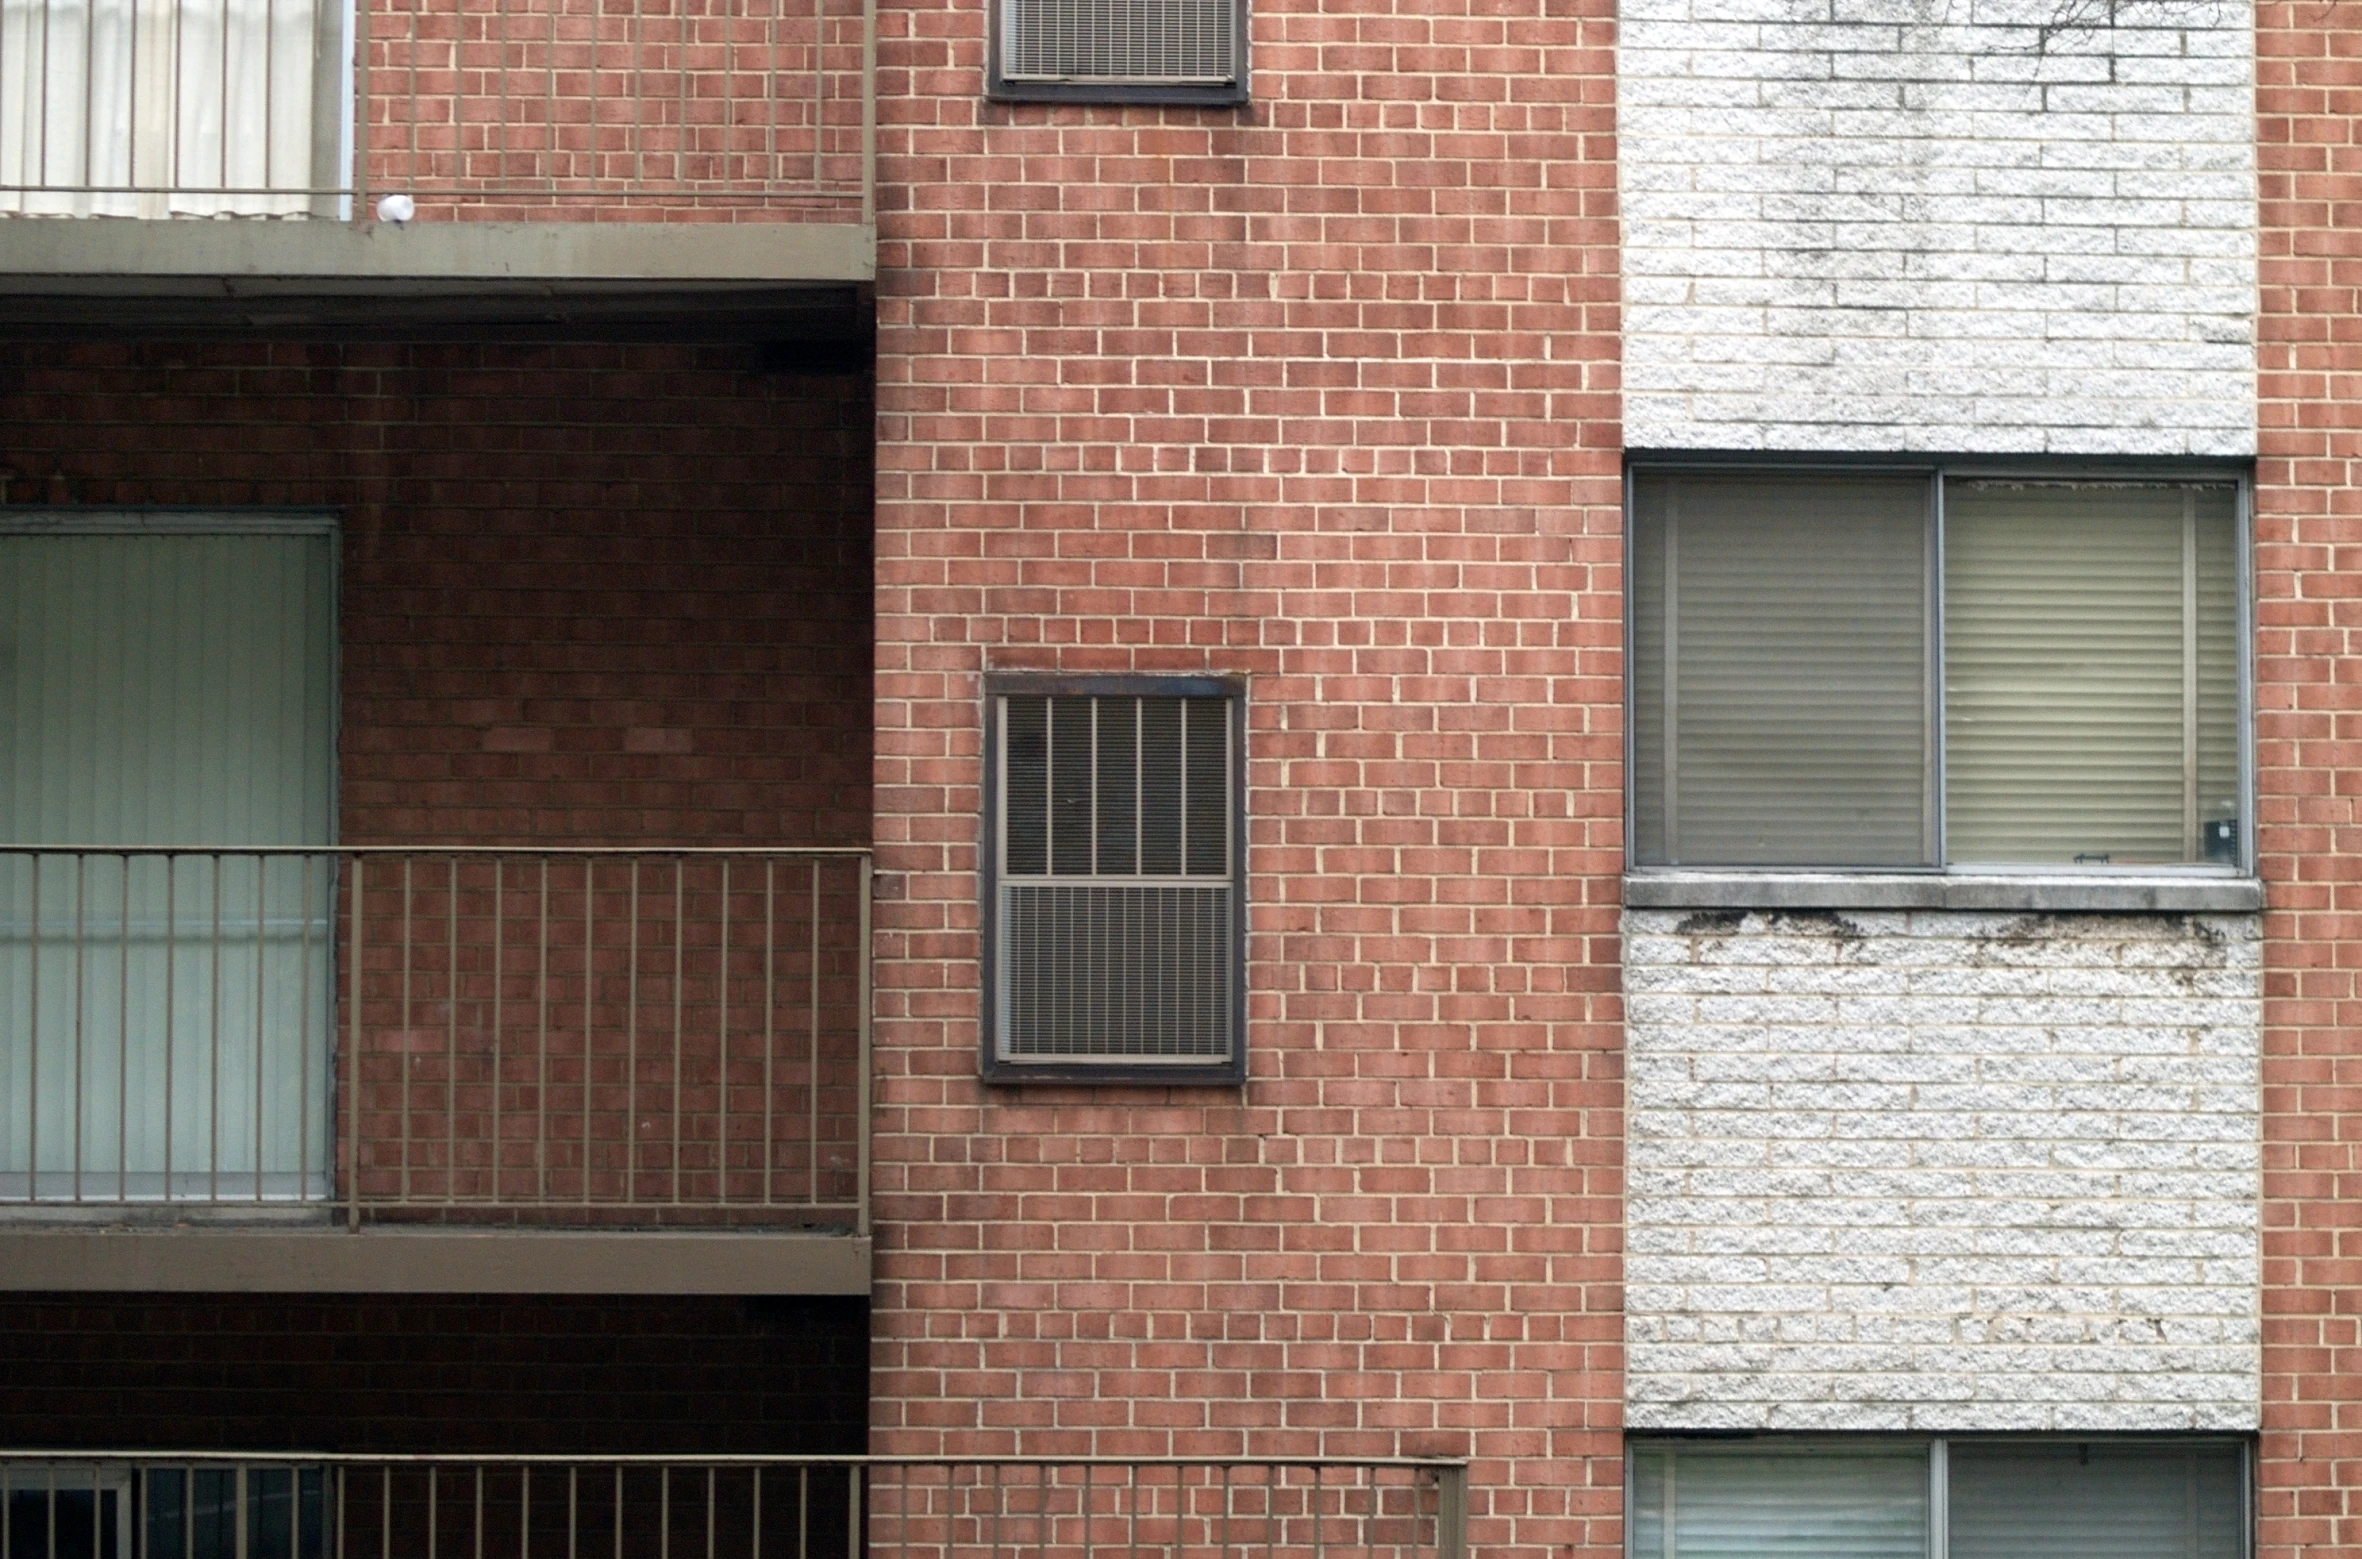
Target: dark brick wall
x=591 y=594
x=554 y=1374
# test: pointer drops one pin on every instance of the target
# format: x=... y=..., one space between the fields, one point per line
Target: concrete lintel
x=266 y=1260
x=2017 y=892
x=235 y=258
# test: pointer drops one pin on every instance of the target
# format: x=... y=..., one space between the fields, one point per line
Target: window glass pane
x=2090 y=668
x=1780 y=1504
x=2095 y=1501
x=1779 y=670
x=167 y=689
x=2217 y=517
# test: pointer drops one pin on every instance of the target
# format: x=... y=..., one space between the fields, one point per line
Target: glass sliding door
x=167 y=735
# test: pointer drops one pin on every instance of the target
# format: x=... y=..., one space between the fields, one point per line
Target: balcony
x=243 y=150
x=220 y=1506
x=319 y=1069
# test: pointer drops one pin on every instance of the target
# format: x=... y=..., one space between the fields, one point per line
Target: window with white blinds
x=1921 y=669
x=1113 y=909
x=1910 y=1497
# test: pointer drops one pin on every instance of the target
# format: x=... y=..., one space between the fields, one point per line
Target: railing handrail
x=730 y=1459
x=837 y=851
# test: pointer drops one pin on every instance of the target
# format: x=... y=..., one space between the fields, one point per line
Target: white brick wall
x=1906 y=225
x=1940 y=1170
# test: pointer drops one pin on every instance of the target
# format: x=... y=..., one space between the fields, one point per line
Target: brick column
x=1322 y=392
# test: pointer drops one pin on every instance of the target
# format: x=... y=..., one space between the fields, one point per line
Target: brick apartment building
x=1384 y=776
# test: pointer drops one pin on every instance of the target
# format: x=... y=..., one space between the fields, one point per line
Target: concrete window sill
x=2030 y=892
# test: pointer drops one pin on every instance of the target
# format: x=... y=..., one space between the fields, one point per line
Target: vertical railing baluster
x=305 y=866
x=590 y=868
x=631 y=1113
x=451 y=868
x=261 y=964
x=541 y=1037
x=862 y=1078
x=722 y=1039
x=33 y=1008
x=171 y=972
x=680 y=973
x=409 y=941
x=770 y=1028
x=213 y=1028
x=122 y=1034
x=81 y=904
x=812 y=1021
x=350 y=1070
x=499 y=945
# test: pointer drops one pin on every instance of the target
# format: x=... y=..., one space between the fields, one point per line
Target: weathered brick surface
x=1320 y=392
x=1896 y=227
x=2309 y=515
x=1942 y=1171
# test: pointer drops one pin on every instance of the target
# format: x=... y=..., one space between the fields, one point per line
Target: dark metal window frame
x=1002 y=89
x=1937 y=469
x=1936 y=1447
x=996 y=1068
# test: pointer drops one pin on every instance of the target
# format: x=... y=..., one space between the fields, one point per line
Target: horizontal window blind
x=1779 y=679
x=1875 y=1498
x=2090 y=671
x=1770 y=1504
x=1117 y=897
x=2096 y=1501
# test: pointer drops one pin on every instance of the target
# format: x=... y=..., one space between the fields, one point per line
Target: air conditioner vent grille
x=1150 y=42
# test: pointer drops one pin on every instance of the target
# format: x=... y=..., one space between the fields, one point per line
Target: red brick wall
x=591 y=594
x=2308 y=519
x=544 y=110
x=1321 y=392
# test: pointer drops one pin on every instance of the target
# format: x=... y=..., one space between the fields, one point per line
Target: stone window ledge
x=2034 y=892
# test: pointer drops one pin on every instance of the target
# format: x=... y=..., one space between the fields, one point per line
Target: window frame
x=1936 y=1447
x=993 y=1066
x=1000 y=88
x=2030 y=882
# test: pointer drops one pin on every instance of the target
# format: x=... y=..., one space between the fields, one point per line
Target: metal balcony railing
x=87 y=1504
x=753 y=109
x=576 y=1036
